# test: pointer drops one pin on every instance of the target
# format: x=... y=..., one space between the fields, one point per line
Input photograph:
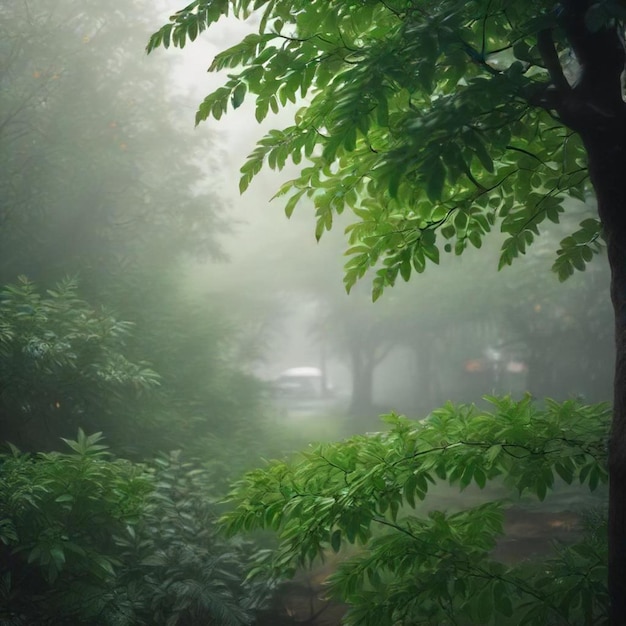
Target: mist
x=202 y=332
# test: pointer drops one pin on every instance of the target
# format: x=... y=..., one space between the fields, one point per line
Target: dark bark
x=607 y=165
x=595 y=109
x=363 y=366
x=428 y=393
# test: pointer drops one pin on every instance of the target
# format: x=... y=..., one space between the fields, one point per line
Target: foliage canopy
x=429 y=121
x=412 y=568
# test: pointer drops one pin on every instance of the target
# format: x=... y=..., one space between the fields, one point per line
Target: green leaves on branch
x=578 y=249
x=178 y=569
x=59 y=336
x=421 y=123
x=408 y=567
x=62 y=363
x=187 y=24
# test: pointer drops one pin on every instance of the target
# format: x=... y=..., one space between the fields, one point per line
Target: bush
x=62 y=366
x=89 y=539
x=60 y=513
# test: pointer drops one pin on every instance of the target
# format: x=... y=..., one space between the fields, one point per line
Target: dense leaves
x=59 y=515
x=62 y=365
x=424 y=119
x=415 y=566
x=178 y=569
x=86 y=538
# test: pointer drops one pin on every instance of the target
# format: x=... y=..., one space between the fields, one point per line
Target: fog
x=272 y=258
x=193 y=318
x=476 y=307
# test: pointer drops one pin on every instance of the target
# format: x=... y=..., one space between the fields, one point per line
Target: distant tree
x=87 y=184
x=436 y=121
x=565 y=335
x=360 y=336
x=207 y=393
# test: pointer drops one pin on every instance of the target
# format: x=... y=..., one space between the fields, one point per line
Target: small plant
x=179 y=571
x=59 y=515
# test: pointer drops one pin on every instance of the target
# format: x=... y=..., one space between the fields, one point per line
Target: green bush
x=62 y=366
x=178 y=569
x=59 y=514
x=89 y=539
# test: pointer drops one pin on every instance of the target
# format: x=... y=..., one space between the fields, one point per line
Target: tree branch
x=545 y=45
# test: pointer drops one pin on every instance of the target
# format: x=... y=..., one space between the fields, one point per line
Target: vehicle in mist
x=304 y=392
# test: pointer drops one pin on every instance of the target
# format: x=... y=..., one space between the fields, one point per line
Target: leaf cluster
x=409 y=567
x=419 y=119
x=177 y=569
x=87 y=538
x=61 y=362
x=60 y=512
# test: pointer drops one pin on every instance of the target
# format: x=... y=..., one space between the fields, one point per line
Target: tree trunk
x=595 y=108
x=362 y=383
x=607 y=167
x=427 y=389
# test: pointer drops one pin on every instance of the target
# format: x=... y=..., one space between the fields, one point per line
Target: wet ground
x=530 y=534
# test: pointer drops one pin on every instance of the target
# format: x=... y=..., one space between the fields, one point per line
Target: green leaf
x=565 y=470
x=291 y=204
x=335 y=540
x=502 y=600
x=436 y=180
x=238 y=95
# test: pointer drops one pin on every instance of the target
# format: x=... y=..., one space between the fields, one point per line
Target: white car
x=303 y=391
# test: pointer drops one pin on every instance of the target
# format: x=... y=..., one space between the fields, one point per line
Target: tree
x=435 y=121
x=565 y=345
x=206 y=397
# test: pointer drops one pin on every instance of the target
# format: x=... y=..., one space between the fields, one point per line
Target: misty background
x=106 y=179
